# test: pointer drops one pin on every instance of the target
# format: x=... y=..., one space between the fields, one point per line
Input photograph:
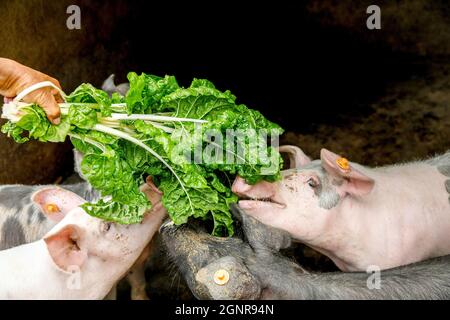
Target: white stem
x=37 y=86
x=128 y=130
x=164 y=128
x=126 y=136
x=120 y=116
x=152 y=117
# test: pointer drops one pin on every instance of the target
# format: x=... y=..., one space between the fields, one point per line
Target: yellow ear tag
x=343 y=163
x=221 y=277
x=52 y=208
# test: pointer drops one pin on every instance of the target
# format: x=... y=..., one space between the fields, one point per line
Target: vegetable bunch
x=155 y=130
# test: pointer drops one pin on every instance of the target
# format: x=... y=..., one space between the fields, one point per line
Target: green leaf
x=146 y=92
x=116 y=211
x=113 y=176
x=117 y=167
x=57 y=133
x=15 y=132
x=35 y=122
x=83 y=116
x=87 y=93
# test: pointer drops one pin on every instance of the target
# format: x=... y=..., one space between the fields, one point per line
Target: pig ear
x=297 y=157
x=64 y=249
x=108 y=84
x=56 y=202
x=357 y=183
x=228 y=279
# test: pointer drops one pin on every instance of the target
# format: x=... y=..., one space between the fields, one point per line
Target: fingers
x=46 y=99
x=57 y=96
x=20 y=77
x=50 y=102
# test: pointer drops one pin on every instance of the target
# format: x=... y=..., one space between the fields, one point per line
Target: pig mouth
x=246 y=202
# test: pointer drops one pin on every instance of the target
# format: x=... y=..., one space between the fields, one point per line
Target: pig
x=358 y=216
x=21 y=220
x=249 y=265
x=109 y=86
x=98 y=252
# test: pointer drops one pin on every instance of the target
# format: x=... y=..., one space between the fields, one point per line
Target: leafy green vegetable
x=35 y=122
x=146 y=92
x=175 y=134
x=87 y=93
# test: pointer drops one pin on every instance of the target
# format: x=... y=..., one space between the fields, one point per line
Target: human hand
x=15 y=77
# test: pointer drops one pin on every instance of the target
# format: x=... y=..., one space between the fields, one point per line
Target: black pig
x=255 y=269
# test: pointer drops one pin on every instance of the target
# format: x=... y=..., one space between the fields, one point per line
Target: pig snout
x=262 y=189
x=190 y=251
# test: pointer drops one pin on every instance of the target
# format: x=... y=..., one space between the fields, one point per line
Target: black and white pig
x=98 y=252
x=22 y=222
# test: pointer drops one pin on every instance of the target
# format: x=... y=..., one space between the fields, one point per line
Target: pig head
x=355 y=215
x=254 y=267
x=92 y=244
x=303 y=202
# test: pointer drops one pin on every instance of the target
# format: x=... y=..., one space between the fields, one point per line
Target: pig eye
x=105 y=226
x=312 y=183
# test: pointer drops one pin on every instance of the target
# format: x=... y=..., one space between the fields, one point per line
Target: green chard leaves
x=192 y=163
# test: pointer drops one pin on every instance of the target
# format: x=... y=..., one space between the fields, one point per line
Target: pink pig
x=358 y=216
x=81 y=257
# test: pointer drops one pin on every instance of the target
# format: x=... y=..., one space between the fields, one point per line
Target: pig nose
x=262 y=189
x=240 y=187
